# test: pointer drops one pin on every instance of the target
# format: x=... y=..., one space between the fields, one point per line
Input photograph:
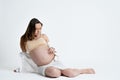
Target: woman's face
x=38 y=29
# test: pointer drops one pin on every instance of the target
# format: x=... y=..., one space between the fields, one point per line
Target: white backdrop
x=85 y=33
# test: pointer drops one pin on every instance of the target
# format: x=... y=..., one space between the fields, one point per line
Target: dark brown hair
x=29 y=34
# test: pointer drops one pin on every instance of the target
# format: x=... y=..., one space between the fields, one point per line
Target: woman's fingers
x=52 y=50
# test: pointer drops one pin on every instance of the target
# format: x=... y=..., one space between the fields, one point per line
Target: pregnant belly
x=41 y=56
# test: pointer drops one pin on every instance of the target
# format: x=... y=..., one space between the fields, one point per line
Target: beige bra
x=30 y=45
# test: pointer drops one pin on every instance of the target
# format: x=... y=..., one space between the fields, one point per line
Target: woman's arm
x=51 y=49
x=45 y=37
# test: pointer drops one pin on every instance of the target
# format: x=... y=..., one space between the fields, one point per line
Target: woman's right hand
x=51 y=50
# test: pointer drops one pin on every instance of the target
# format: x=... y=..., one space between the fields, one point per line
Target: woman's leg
x=55 y=72
x=52 y=72
x=75 y=72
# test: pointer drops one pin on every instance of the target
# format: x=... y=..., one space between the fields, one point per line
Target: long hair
x=29 y=34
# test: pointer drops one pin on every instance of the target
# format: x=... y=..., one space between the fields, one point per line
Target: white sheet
x=104 y=71
x=10 y=75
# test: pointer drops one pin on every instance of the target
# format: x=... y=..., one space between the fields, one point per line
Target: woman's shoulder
x=43 y=34
x=45 y=37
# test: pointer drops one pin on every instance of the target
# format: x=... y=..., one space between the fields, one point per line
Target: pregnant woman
x=36 y=45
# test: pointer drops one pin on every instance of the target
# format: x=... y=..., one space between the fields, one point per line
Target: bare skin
x=44 y=54
x=41 y=55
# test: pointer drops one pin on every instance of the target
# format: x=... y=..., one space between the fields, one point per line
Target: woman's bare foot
x=87 y=71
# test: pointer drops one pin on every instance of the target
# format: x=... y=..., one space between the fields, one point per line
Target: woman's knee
x=52 y=72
